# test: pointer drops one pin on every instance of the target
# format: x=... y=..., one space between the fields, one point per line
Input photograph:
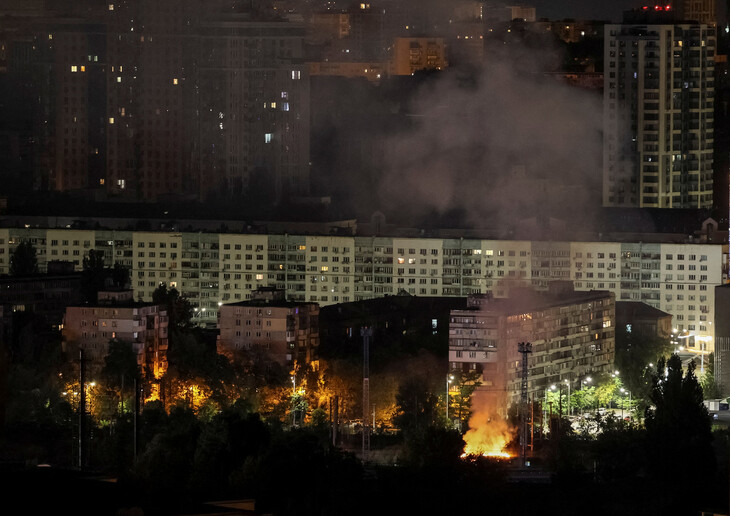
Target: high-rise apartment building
x=702 y=11
x=184 y=98
x=658 y=112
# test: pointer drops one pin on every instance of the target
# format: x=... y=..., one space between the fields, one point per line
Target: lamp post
x=449 y=379
x=567 y=382
x=585 y=382
x=624 y=391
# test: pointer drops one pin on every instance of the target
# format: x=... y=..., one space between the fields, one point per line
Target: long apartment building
x=217 y=268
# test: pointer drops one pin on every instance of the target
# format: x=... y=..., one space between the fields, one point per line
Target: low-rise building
x=402 y=322
x=117 y=317
x=639 y=318
x=572 y=337
x=285 y=331
x=46 y=295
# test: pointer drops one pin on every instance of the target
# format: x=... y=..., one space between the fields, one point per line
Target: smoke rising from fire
x=513 y=143
x=509 y=141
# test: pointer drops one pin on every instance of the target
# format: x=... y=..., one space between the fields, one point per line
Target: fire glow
x=488 y=436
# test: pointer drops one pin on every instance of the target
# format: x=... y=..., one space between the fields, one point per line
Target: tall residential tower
x=658 y=112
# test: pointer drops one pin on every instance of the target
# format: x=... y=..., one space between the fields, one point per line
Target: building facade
x=143 y=101
x=281 y=330
x=211 y=268
x=658 y=111
x=572 y=336
x=722 y=337
x=142 y=325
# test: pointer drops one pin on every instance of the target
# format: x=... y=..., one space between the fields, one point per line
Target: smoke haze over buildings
x=507 y=142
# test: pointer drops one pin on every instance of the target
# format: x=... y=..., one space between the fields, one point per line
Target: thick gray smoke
x=514 y=143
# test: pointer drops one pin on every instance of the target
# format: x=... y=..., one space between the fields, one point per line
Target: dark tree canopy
x=120 y=362
x=179 y=310
x=94 y=276
x=678 y=428
x=24 y=261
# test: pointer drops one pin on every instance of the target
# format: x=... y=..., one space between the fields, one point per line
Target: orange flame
x=488 y=436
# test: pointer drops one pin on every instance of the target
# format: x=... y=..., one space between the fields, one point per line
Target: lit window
x=101 y=181
x=121 y=183
x=50 y=36
x=268 y=137
x=74 y=68
x=119 y=79
x=174 y=81
x=285 y=106
x=273 y=105
x=111 y=120
x=83 y=68
x=296 y=75
x=111 y=7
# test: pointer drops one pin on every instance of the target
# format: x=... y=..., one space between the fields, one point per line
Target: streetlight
x=449 y=379
x=624 y=391
x=583 y=383
x=568 y=384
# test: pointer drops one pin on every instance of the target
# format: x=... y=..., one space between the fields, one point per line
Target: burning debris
x=489 y=435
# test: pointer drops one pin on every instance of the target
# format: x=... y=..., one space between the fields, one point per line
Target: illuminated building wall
x=274 y=329
x=142 y=325
x=413 y=54
x=208 y=268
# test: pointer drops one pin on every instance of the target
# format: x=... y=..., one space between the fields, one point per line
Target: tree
x=583 y=399
x=465 y=383
x=678 y=427
x=24 y=261
x=634 y=352
x=120 y=275
x=179 y=310
x=711 y=389
x=416 y=405
x=93 y=277
x=120 y=367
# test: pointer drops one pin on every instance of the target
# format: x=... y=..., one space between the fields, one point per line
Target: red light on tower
x=658 y=8
x=646 y=7
x=668 y=8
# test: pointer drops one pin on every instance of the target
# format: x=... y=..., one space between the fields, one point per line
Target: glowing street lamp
x=624 y=391
x=449 y=379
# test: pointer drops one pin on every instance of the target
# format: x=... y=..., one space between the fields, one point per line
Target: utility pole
x=366 y=333
x=524 y=348
x=82 y=407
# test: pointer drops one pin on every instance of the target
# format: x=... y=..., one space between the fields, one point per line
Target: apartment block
x=117 y=317
x=572 y=336
x=282 y=331
x=211 y=268
x=658 y=111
